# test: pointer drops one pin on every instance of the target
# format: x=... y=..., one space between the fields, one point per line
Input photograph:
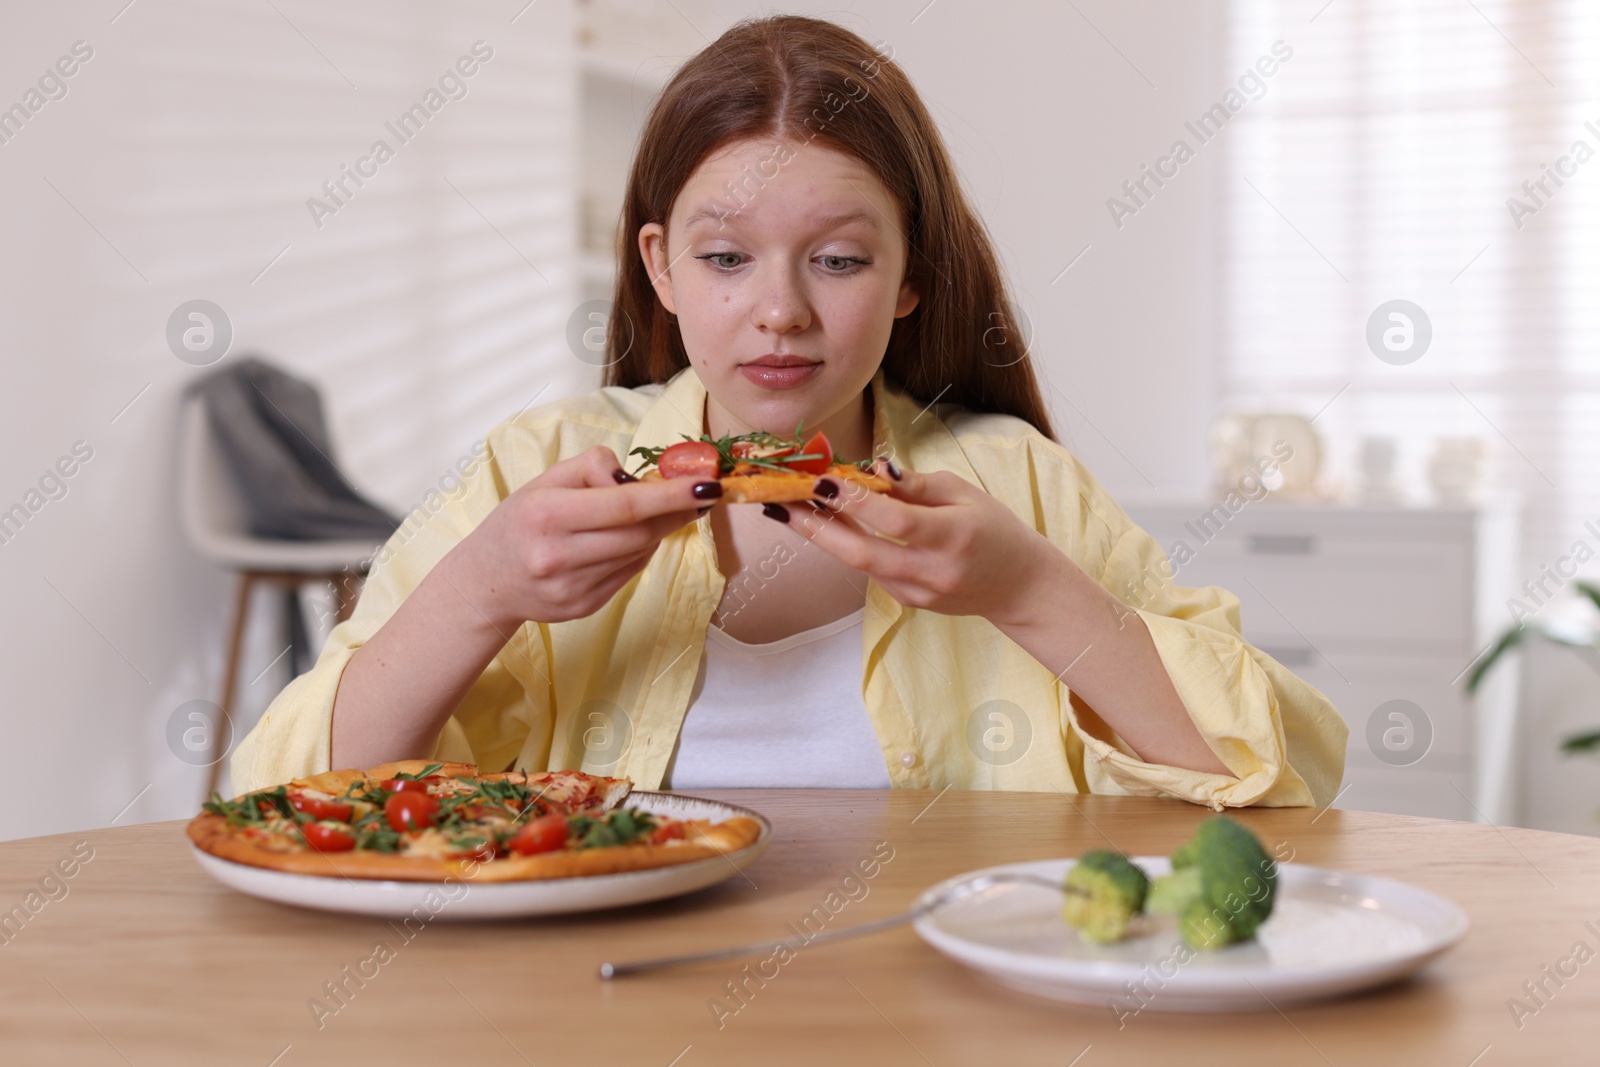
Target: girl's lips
x=769 y=377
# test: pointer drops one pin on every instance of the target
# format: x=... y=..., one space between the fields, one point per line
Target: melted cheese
x=431 y=842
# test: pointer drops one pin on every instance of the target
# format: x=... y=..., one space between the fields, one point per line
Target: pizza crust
x=211 y=833
x=608 y=792
x=336 y=782
x=781 y=487
x=777 y=488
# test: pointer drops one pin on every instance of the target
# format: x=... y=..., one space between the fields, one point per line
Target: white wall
x=1048 y=112
x=187 y=148
x=1559 y=699
x=190 y=143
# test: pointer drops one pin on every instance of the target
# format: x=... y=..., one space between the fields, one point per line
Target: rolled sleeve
x=1232 y=704
x=295 y=735
x=1281 y=740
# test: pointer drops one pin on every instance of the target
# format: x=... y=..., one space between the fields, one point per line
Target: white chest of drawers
x=1382 y=609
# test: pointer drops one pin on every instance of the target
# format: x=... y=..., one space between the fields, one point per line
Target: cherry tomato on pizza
x=321 y=807
x=821 y=451
x=328 y=837
x=544 y=834
x=410 y=811
x=690 y=459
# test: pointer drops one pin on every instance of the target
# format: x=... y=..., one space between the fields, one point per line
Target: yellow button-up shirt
x=953 y=701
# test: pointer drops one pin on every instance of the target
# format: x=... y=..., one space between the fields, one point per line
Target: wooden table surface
x=140 y=958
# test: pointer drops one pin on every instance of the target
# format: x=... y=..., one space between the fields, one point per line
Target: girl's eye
x=719 y=259
x=842 y=264
x=729 y=261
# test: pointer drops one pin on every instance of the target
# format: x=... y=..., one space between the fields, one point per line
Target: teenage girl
x=796 y=249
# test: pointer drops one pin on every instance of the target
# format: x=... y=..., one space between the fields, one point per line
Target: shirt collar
x=679 y=412
x=913 y=434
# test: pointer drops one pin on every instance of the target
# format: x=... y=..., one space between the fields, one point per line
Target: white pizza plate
x=505 y=900
x=1329 y=933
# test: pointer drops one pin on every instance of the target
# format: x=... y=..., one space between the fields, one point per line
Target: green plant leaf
x=1582 y=744
x=1508 y=640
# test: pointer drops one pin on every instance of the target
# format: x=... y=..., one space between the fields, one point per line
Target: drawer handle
x=1291 y=657
x=1281 y=544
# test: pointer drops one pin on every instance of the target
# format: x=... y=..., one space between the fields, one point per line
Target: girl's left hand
x=965 y=553
x=961 y=551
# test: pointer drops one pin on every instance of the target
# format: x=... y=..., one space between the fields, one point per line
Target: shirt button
x=908 y=759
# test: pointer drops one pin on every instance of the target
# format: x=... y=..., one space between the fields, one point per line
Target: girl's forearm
x=400 y=688
x=1102 y=650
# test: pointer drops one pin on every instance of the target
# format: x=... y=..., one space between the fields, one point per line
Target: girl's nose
x=783 y=308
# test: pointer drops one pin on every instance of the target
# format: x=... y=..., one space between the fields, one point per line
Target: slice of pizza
x=758 y=468
x=419 y=821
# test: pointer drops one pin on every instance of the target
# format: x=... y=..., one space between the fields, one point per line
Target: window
x=1444 y=152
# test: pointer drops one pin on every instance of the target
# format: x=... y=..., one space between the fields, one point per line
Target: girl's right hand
x=563 y=544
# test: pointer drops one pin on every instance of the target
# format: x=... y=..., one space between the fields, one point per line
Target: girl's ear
x=906 y=303
x=653 y=250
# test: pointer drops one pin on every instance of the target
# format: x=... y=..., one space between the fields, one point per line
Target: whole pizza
x=758 y=468
x=423 y=822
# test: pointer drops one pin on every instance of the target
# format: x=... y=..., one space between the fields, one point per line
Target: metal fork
x=959 y=891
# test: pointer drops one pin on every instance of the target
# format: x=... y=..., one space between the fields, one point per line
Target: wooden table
x=146 y=960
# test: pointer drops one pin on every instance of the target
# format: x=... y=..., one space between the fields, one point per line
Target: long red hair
x=802 y=78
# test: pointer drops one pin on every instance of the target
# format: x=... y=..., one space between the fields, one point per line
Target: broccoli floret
x=1111 y=892
x=1221 y=886
x=1171 y=893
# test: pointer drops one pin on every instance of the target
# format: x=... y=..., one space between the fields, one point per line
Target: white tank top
x=785 y=713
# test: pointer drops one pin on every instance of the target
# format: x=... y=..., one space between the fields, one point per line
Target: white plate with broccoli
x=1300 y=933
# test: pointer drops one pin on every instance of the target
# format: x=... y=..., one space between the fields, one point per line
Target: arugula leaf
x=247 y=810
x=620 y=827
x=277 y=799
x=432 y=768
x=378 y=838
x=760 y=439
x=239 y=812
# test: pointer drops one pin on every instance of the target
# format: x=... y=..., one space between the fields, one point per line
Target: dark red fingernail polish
x=826 y=488
x=894 y=472
x=775 y=511
x=622 y=477
x=707 y=490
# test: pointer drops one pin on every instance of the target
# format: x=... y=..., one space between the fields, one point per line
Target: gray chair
x=214 y=519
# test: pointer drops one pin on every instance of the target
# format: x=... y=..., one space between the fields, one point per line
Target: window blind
x=1444 y=152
